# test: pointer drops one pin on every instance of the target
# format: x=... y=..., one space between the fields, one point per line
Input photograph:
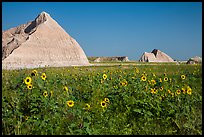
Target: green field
x=162 y=99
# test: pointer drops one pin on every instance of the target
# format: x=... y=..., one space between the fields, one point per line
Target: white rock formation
x=42 y=42
x=155 y=56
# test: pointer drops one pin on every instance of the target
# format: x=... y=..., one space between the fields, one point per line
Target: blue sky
x=120 y=28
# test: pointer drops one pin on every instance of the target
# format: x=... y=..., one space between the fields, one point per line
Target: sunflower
x=43 y=76
x=75 y=67
x=70 y=103
x=189 y=90
x=172 y=94
x=153 y=91
x=136 y=70
x=165 y=78
x=183 y=90
x=26 y=117
x=45 y=94
x=153 y=82
x=160 y=80
x=106 y=100
x=105 y=76
x=29 y=86
x=51 y=93
x=161 y=88
x=65 y=88
x=183 y=77
x=178 y=91
x=103 y=104
x=169 y=91
x=124 y=83
x=143 y=78
x=87 y=106
x=28 y=80
x=34 y=73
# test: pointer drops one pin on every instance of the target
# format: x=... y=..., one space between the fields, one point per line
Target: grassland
x=108 y=99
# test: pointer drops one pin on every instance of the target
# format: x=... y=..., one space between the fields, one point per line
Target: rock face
x=102 y=59
x=194 y=60
x=42 y=42
x=155 y=56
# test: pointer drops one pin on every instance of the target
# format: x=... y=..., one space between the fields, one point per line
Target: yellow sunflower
x=106 y=100
x=189 y=90
x=165 y=78
x=29 y=86
x=103 y=104
x=161 y=88
x=183 y=77
x=160 y=80
x=87 y=106
x=183 y=90
x=28 y=80
x=51 y=93
x=153 y=91
x=65 y=88
x=143 y=78
x=178 y=91
x=153 y=82
x=105 y=76
x=26 y=117
x=45 y=94
x=43 y=76
x=34 y=73
x=70 y=103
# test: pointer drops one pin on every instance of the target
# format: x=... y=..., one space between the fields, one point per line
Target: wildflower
x=136 y=70
x=161 y=88
x=65 y=88
x=29 y=86
x=189 y=90
x=183 y=76
x=119 y=76
x=28 y=80
x=45 y=94
x=26 y=117
x=160 y=80
x=70 y=103
x=169 y=91
x=143 y=78
x=106 y=100
x=153 y=91
x=165 y=78
x=183 y=90
x=34 y=73
x=75 y=67
x=43 y=76
x=103 y=104
x=178 y=91
x=146 y=88
x=104 y=76
x=153 y=82
x=124 y=83
x=87 y=106
x=51 y=93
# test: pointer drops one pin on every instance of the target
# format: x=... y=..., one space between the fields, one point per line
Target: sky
x=120 y=28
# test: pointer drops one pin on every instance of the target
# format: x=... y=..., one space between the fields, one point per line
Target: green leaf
x=137 y=110
x=149 y=113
